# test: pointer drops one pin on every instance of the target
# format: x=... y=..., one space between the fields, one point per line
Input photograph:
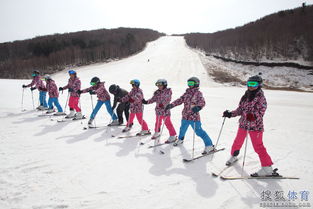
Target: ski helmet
x=35 y=73
x=255 y=78
x=135 y=82
x=94 y=81
x=72 y=72
x=161 y=82
x=113 y=88
x=48 y=77
x=193 y=81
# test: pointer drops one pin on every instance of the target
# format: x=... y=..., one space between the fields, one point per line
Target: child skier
x=252 y=107
x=193 y=103
x=52 y=89
x=38 y=83
x=162 y=98
x=134 y=97
x=98 y=88
x=73 y=86
x=122 y=106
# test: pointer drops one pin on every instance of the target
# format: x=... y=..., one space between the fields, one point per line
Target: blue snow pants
x=54 y=101
x=42 y=98
x=108 y=107
x=196 y=125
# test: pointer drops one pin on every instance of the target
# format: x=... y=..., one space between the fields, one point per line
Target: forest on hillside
x=56 y=52
x=280 y=37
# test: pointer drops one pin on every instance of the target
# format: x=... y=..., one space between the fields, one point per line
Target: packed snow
x=45 y=164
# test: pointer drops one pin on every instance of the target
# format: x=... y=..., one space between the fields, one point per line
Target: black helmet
x=195 y=80
x=256 y=78
x=113 y=89
x=35 y=73
x=162 y=82
x=94 y=81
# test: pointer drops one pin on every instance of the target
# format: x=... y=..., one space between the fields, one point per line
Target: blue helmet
x=71 y=72
x=135 y=82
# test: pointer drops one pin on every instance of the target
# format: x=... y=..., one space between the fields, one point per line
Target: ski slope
x=49 y=165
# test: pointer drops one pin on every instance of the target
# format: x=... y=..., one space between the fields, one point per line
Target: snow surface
x=45 y=164
x=287 y=77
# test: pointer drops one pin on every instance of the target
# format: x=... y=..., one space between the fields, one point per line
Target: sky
x=23 y=19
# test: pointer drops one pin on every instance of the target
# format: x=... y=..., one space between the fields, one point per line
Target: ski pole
x=193 y=139
x=68 y=94
x=33 y=100
x=94 y=120
x=244 y=156
x=218 y=138
x=22 y=100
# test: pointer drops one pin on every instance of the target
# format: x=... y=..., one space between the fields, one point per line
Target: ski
x=46 y=114
x=70 y=119
x=259 y=177
x=161 y=144
x=132 y=136
x=201 y=156
x=116 y=125
x=224 y=169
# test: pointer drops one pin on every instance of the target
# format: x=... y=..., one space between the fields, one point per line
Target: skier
x=38 y=83
x=122 y=106
x=162 y=97
x=134 y=97
x=252 y=107
x=52 y=89
x=193 y=103
x=98 y=88
x=73 y=86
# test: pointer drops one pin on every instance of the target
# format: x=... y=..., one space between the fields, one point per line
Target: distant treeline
x=285 y=35
x=53 y=53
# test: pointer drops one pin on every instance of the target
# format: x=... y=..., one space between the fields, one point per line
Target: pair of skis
x=274 y=176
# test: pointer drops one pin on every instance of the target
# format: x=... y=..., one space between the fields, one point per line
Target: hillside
x=53 y=53
x=286 y=36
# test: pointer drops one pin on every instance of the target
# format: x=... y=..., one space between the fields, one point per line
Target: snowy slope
x=45 y=164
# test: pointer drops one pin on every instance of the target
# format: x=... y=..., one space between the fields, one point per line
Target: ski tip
x=141 y=143
x=186 y=160
x=214 y=174
x=161 y=152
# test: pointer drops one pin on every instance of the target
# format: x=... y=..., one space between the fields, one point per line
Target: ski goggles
x=93 y=83
x=252 y=84
x=158 y=84
x=191 y=83
x=34 y=74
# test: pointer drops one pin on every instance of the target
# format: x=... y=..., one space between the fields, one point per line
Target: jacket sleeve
x=200 y=100
x=179 y=101
x=125 y=98
x=153 y=98
x=238 y=111
x=114 y=102
x=32 y=83
x=87 y=89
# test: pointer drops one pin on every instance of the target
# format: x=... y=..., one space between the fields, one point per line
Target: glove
x=61 y=89
x=91 y=92
x=250 y=117
x=196 y=109
x=131 y=100
x=24 y=86
x=161 y=105
x=169 y=106
x=144 y=101
x=227 y=114
x=70 y=90
x=79 y=92
x=32 y=88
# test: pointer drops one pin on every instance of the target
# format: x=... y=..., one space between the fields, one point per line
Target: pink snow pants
x=167 y=122
x=256 y=139
x=73 y=103
x=143 y=123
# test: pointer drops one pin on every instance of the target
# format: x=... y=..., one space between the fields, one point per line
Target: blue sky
x=22 y=19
